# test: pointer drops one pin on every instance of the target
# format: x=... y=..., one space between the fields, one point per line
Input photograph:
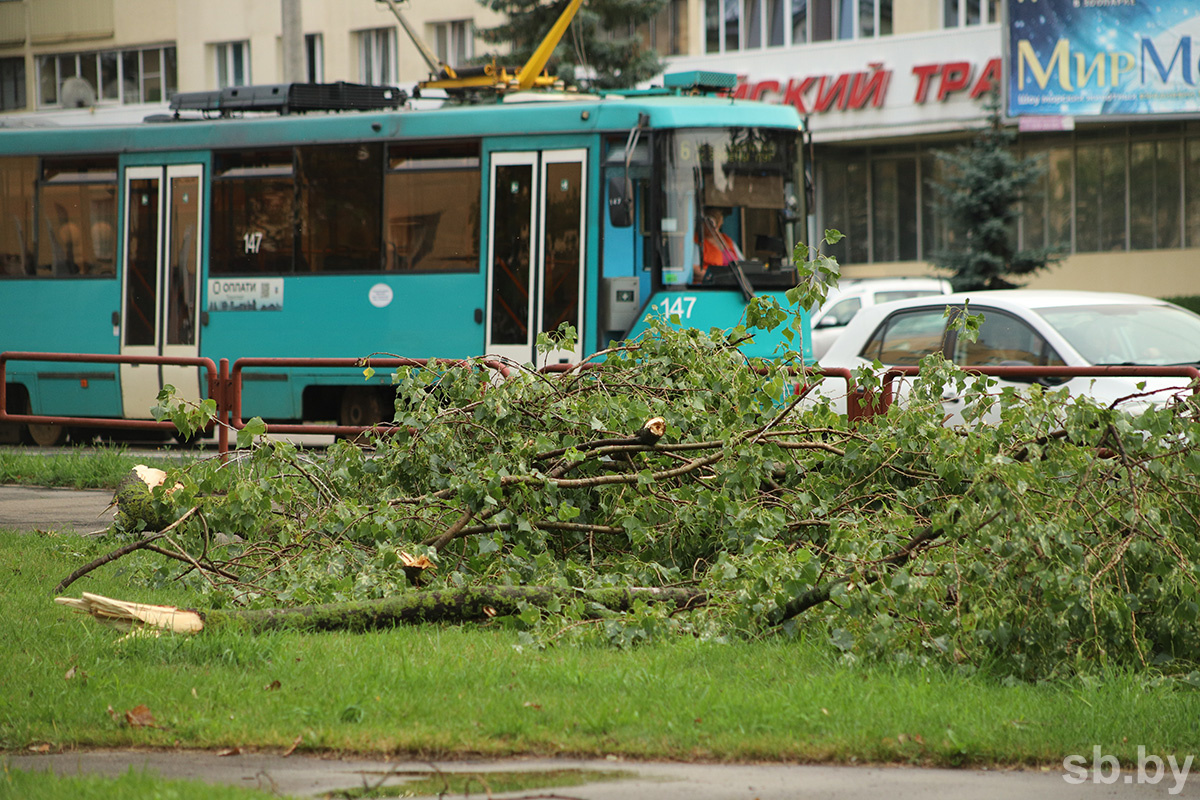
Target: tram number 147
x=679 y=307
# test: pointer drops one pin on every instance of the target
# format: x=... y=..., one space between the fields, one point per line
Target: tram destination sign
x=1101 y=58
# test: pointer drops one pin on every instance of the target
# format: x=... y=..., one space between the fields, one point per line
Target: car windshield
x=1133 y=334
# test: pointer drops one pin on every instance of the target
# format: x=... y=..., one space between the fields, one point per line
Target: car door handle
x=951 y=398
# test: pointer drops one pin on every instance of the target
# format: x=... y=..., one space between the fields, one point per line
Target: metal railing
x=215 y=388
x=242 y=364
x=225 y=387
x=1026 y=373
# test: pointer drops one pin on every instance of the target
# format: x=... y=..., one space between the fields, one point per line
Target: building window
x=666 y=34
x=143 y=75
x=12 y=84
x=1098 y=192
x=712 y=26
x=1100 y=197
x=753 y=14
x=454 y=42
x=960 y=13
x=1191 y=200
x=1155 y=204
x=732 y=25
x=314 y=57
x=377 y=56
x=233 y=64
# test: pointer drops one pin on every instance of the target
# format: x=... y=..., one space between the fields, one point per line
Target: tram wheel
x=190 y=442
x=44 y=435
x=362 y=406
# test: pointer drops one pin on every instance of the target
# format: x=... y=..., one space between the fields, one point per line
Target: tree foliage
x=599 y=49
x=1057 y=542
x=979 y=197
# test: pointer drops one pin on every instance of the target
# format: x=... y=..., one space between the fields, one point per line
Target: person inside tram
x=716 y=249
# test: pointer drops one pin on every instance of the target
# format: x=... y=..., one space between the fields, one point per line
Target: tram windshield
x=742 y=188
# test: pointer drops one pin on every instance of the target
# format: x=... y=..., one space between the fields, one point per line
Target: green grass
x=100 y=467
x=440 y=692
x=37 y=785
x=441 y=784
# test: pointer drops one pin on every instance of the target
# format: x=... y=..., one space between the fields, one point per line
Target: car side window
x=1004 y=340
x=842 y=312
x=906 y=337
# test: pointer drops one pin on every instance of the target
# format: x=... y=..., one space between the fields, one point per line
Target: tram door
x=160 y=282
x=536 y=248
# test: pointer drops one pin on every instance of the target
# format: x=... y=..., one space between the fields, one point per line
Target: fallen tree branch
x=194 y=563
x=648 y=435
x=443 y=605
x=819 y=594
x=121 y=551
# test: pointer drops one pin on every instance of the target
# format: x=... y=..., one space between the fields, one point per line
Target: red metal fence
x=215 y=388
x=1032 y=373
x=225 y=386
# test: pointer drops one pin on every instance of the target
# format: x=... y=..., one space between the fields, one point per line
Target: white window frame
x=454 y=41
x=837 y=10
x=314 y=57
x=377 y=56
x=960 y=8
x=225 y=64
x=112 y=73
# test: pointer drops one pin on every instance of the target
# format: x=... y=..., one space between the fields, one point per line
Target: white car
x=844 y=302
x=1024 y=328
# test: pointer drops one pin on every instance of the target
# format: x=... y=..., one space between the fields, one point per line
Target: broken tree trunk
x=442 y=605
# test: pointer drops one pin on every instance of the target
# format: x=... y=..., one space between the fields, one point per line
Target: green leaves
x=251 y=431
x=1060 y=539
x=190 y=417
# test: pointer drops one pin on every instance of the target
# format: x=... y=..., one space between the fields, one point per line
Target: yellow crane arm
x=436 y=66
x=537 y=62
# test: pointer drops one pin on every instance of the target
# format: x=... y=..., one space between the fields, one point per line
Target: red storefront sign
x=818 y=94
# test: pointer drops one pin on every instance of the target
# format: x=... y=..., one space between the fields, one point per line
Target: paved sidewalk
x=30 y=508
x=310 y=776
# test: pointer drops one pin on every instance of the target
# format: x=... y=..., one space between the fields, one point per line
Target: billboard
x=1098 y=58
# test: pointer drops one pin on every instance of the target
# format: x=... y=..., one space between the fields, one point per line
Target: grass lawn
x=441 y=692
x=92 y=467
x=36 y=785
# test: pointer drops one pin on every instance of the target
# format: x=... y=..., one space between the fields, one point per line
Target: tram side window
x=17 y=179
x=77 y=217
x=254 y=219
x=340 y=187
x=432 y=208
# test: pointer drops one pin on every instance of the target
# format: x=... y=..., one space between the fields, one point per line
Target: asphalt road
x=311 y=776
x=28 y=508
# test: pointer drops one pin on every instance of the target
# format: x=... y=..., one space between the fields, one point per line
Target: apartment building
x=121 y=59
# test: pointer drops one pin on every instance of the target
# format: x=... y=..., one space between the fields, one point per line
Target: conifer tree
x=598 y=51
x=979 y=199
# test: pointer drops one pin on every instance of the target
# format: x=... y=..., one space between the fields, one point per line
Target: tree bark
x=440 y=605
